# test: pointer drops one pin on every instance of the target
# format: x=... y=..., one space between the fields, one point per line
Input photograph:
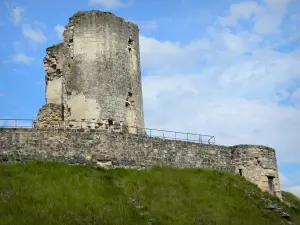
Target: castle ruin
x=93 y=84
x=93 y=78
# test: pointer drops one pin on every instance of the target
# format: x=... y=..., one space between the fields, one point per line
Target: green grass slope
x=38 y=193
x=293 y=202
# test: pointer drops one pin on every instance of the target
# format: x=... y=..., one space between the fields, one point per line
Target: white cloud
x=161 y=56
x=295 y=28
x=287 y=185
x=266 y=17
x=284 y=181
x=284 y=95
x=108 y=4
x=17 y=14
x=22 y=58
x=296 y=95
x=271 y=18
x=35 y=35
x=224 y=84
x=240 y=11
x=148 y=25
x=60 y=30
x=40 y=24
x=294 y=189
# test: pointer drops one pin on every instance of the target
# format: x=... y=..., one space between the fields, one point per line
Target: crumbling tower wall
x=95 y=75
x=258 y=164
x=52 y=112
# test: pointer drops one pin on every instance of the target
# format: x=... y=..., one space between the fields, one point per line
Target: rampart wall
x=112 y=149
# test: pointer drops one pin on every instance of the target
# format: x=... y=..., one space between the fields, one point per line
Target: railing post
x=11 y=123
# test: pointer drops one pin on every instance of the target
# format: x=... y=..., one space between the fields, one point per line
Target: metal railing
x=86 y=125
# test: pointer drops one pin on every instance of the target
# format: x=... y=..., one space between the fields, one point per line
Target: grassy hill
x=38 y=193
x=294 y=204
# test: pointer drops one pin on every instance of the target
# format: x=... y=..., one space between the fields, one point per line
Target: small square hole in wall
x=110 y=122
x=240 y=172
x=130 y=41
x=271 y=184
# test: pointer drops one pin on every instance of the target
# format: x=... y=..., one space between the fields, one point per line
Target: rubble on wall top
x=82 y=13
x=53 y=47
x=240 y=146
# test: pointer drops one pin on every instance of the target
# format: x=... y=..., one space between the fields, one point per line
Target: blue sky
x=227 y=68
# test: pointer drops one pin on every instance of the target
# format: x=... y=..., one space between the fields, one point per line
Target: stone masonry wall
x=95 y=73
x=257 y=163
x=138 y=151
x=52 y=110
x=53 y=63
x=50 y=116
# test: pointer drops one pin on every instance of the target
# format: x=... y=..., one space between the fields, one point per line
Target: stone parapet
x=122 y=149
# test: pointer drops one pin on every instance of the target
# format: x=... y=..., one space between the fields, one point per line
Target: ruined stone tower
x=93 y=78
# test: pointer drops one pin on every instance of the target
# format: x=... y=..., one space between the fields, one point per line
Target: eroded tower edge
x=93 y=78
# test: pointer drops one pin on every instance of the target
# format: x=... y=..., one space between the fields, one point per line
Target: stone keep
x=94 y=76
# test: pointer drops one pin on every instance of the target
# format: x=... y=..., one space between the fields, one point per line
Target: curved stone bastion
x=122 y=149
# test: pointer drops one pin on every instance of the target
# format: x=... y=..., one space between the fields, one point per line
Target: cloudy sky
x=229 y=69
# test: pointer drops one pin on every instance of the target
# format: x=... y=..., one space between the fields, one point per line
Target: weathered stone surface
x=49 y=116
x=95 y=73
x=122 y=149
x=53 y=63
x=270 y=205
x=257 y=163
